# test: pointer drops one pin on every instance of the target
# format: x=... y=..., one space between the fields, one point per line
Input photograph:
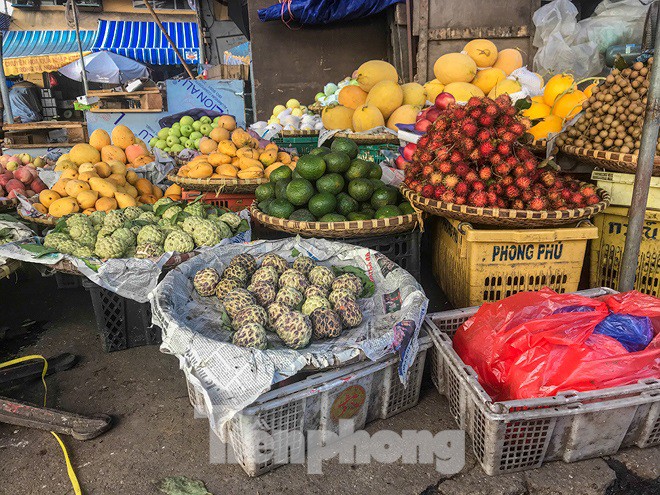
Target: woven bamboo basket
x=505 y=217
x=8 y=204
x=610 y=160
x=9 y=267
x=219 y=186
x=380 y=138
x=349 y=229
x=299 y=133
x=46 y=220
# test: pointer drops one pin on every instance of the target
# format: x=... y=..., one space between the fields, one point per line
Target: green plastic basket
x=303 y=144
x=372 y=152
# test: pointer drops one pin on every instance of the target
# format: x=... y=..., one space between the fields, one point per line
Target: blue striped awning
x=144 y=42
x=18 y=44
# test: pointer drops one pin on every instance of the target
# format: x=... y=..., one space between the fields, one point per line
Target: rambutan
x=484 y=135
x=504 y=149
x=460 y=200
x=592 y=200
x=455 y=157
x=438 y=192
x=474 y=102
x=530 y=164
x=517 y=129
x=468 y=144
x=517 y=204
x=505 y=121
x=492 y=110
x=478 y=199
x=486 y=172
x=501 y=203
x=509 y=137
x=486 y=149
x=578 y=199
x=427 y=191
x=445 y=167
x=525 y=154
x=503 y=101
x=471 y=176
x=450 y=181
x=502 y=169
x=427 y=170
x=511 y=111
x=442 y=154
x=573 y=185
x=461 y=170
x=418 y=188
x=496 y=158
x=425 y=157
x=478 y=186
x=459 y=113
x=423 y=141
x=566 y=194
x=492 y=198
x=537 y=204
x=554 y=196
x=512 y=192
x=588 y=190
x=448 y=196
x=548 y=178
x=523 y=182
x=461 y=189
x=469 y=128
x=436 y=178
x=475 y=113
x=527 y=195
x=519 y=171
x=486 y=120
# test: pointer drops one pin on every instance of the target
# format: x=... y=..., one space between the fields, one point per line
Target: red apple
x=423 y=125
x=443 y=100
x=422 y=115
x=408 y=151
x=24 y=175
x=400 y=162
x=433 y=114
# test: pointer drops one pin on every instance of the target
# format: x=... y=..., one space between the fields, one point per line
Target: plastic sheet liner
x=322 y=11
x=234 y=377
x=537 y=344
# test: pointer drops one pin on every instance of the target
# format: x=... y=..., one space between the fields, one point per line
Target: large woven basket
x=299 y=133
x=505 y=217
x=8 y=204
x=219 y=186
x=380 y=138
x=355 y=228
x=610 y=160
x=46 y=220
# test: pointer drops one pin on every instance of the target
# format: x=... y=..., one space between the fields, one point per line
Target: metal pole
x=83 y=71
x=3 y=85
x=200 y=32
x=647 y=151
x=169 y=40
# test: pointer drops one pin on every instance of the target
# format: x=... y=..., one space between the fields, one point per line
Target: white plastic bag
x=557 y=56
x=558 y=16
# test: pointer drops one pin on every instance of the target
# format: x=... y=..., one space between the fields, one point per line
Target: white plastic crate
x=523 y=434
x=314 y=404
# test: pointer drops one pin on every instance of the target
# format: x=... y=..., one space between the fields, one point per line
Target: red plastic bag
x=537 y=344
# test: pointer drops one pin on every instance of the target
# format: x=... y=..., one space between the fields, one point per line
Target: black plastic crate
x=403 y=249
x=123 y=323
x=68 y=281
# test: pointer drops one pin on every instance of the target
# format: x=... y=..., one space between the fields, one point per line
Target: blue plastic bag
x=323 y=11
x=633 y=332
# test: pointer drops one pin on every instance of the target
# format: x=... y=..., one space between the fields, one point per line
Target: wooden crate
x=147 y=100
x=35 y=134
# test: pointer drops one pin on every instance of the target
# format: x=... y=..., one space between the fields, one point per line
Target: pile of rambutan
x=471 y=155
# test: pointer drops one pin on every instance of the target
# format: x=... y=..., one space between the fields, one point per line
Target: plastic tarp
x=323 y=11
x=106 y=67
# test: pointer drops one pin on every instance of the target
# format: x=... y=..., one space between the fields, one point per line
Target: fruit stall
x=290 y=260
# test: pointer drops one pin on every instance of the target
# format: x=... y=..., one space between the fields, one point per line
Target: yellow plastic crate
x=474 y=265
x=607 y=251
x=620 y=188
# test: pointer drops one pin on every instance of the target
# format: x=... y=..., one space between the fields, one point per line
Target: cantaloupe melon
x=433 y=88
x=487 y=79
x=454 y=67
x=122 y=136
x=463 y=91
x=112 y=153
x=352 y=96
x=509 y=60
x=413 y=94
x=337 y=117
x=387 y=96
x=374 y=71
x=99 y=138
x=483 y=52
x=367 y=117
x=84 y=152
x=405 y=114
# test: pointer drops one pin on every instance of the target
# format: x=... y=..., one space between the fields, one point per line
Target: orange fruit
x=551 y=123
x=569 y=105
x=556 y=85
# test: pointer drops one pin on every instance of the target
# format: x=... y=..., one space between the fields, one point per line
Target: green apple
x=164 y=132
x=205 y=129
x=161 y=144
x=196 y=135
x=216 y=120
x=214 y=125
x=188 y=144
x=175 y=132
x=172 y=140
x=197 y=143
x=176 y=125
x=205 y=119
x=177 y=148
x=167 y=150
x=186 y=130
x=186 y=120
x=153 y=141
x=196 y=125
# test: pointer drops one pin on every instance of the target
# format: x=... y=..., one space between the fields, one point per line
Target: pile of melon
x=479 y=70
x=98 y=176
x=377 y=100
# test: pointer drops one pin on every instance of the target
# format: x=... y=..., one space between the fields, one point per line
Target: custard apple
x=132 y=212
x=322 y=276
x=178 y=241
x=84 y=252
x=250 y=314
x=289 y=296
x=266 y=274
x=294 y=329
x=78 y=220
x=237 y=272
x=161 y=201
x=130 y=251
x=276 y=261
x=236 y=300
x=114 y=219
x=247 y=261
x=83 y=233
x=206 y=234
x=313 y=303
x=325 y=323
x=135 y=229
x=205 y=281
x=263 y=292
x=251 y=335
x=148 y=216
x=109 y=247
x=68 y=246
x=231 y=219
x=150 y=234
x=167 y=227
x=316 y=290
x=336 y=295
x=349 y=312
x=304 y=264
x=189 y=225
x=104 y=232
x=97 y=217
x=53 y=239
x=171 y=213
x=196 y=210
x=348 y=281
x=275 y=311
x=223 y=228
x=225 y=286
x=148 y=250
x=293 y=278
x=125 y=236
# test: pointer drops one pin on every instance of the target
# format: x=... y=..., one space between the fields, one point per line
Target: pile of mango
x=237 y=155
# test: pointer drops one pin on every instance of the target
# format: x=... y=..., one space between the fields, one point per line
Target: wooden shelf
x=46 y=124
x=38 y=145
x=124 y=110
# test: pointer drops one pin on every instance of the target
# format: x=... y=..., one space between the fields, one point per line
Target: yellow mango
x=268 y=157
x=63 y=206
x=250 y=174
x=131 y=177
x=227 y=169
x=125 y=200
x=106 y=204
x=227 y=147
x=272 y=167
x=87 y=199
x=246 y=162
x=86 y=167
x=131 y=190
x=241 y=138
x=48 y=196
x=218 y=158
x=200 y=170
x=40 y=208
x=117 y=167
x=271 y=146
x=105 y=188
x=156 y=191
x=284 y=158
x=103 y=169
x=143 y=186
x=60 y=187
x=69 y=173
x=75 y=187
x=247 y=152
x=173 y=190
x=119 y=179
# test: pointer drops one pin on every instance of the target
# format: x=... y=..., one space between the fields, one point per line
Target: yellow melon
x=387 y=96
x=122 y=136
x=569 y=105
x=337 y=117
x=413 y=94
x=487 y=79
x=99 y=138
x=509 y=60
x=551 y=123
x=374 y=71
x=405 y=114
x=505 y=87
x=463 y=91
x=483 y=52
x=84 y=152
x=433 y=88
x=536 y=110
x=556 y=85
x=352 y=96
x=454 y=67
x=367 y=117
x=112 y=153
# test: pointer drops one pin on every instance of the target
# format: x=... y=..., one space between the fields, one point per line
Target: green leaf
x=163 y=208
x=91 y=265
x=295 y=253
x=38 y=250
x=141 y=223
x=522 y=104
x=244 y=226
x=368 y=287
x=146 y=207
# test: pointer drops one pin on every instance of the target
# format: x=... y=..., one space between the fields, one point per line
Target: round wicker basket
x=380 y=138
x=336 y=230
x=8 y=204
x=299 y=133
x=505 y=217
x=46 y=220
x=225 y=186
x=610 y=160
